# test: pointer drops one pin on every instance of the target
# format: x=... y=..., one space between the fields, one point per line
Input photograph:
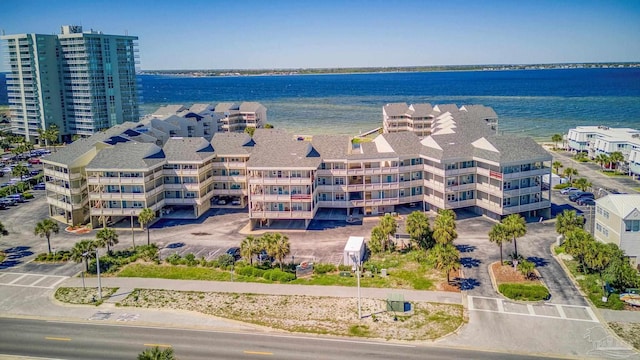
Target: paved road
x=91 y=341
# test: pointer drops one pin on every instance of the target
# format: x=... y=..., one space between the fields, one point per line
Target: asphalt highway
x=67 y=340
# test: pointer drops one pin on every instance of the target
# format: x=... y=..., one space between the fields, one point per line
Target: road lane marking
x=257 y=352
x=158 y=345
x=561 y=311
x=57 y=338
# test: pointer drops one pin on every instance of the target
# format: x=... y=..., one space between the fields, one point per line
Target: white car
x=566 y=191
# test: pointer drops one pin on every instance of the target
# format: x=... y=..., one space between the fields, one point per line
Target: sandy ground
x=305 y=314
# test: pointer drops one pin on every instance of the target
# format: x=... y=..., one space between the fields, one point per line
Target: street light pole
x=98 y=267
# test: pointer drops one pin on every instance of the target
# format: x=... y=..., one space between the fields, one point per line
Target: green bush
x=342 y=267
x=173 y=259
x=226 y=260
x=27 y=195
x=323 y=268
x=524 y=292
x=562 y=186
x=245 y=271
x=190 y=259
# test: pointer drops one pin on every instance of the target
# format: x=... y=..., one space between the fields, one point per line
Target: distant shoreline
x=380 y=70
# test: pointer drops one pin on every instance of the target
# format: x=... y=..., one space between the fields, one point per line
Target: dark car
x=39 y=186
x=235 y=252
x=579 y=195
x=263 y=256
x=586 y=201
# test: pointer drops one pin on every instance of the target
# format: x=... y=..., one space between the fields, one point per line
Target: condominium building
x=617 y=221
x=421 y=119
x=81 y=82
x=237 y=117
x=462 y=164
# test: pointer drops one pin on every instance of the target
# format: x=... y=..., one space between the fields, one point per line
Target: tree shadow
x=18 y=252
x=470 y=262
x=175 y=245
x=464 y=248
x=538 y=261
x=466 y=284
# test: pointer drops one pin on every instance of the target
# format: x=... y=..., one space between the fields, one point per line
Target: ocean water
x=537 y=103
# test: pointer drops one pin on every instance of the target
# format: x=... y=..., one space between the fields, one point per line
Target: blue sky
x=308 y=34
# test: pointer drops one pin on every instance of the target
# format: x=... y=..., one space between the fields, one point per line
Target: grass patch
x=524 y=292
x=559 y=250
x=180 y=272
x=613 y=173
x=630 y=332
x=359 y=330
x=83 y=296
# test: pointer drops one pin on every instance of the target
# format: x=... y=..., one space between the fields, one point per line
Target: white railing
x=281 y=214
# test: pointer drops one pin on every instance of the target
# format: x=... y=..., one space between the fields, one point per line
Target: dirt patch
x=310 y=314
x=83 y=295
x=455 y=276
x=630 y=332
x=509 y=274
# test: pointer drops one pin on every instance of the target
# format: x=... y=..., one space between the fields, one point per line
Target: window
x=632 y=225
x=340 y=197
x=451 y=197
x=190 y=194
x=339 y=181
x=453 y=166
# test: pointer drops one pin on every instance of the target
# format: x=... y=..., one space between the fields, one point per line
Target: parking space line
x=561 y=311
x=592 y=315
x=500 y=305
x=530 y=308
x=39 y=280
x=470 y=303
x=17 y=279
x=52 y=286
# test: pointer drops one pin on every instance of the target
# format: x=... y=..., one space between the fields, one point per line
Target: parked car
x=586 y=201
x=264 y=256
x=34 y=161
x=235 y=252
x=17 y=197
x=8 y=202
x=581 y=194
x=566 y=191
x=34 y=172
x=39 y=186
x=222 y=202
x=2 y=206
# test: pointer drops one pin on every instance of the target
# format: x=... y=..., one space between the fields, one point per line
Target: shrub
x=226 y=260
x=27 y=195
x=342 y=267
x=562 y=186
x=245 y=271
x=173 y=259
x=190 y=259
x=524 y=292
x=323 y=268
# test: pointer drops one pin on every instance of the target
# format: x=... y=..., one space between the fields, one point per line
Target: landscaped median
x=303 y=314
x=512 y=283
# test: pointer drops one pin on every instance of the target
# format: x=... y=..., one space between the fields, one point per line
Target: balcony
x=543 y=204
x=335 y=204
x=117 y=196
x=522 y=191
x=521 y=174
x=279 y=181
x=460 y=204
x=281 y=214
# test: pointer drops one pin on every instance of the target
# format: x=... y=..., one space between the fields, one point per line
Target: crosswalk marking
x=12 y=279
x=497 y=305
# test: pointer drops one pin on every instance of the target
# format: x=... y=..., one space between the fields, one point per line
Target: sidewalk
x=620 y=316
x=126 y=285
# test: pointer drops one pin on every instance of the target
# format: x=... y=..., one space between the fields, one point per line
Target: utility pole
x=132 y=235
x=98 y=267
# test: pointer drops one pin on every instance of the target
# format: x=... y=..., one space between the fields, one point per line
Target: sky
x=283 y=34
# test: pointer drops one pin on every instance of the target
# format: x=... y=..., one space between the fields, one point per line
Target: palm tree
x=557 y=165
x=598 y=257
x=602 y=159
x=616 y=157
x=145 y=217
x=526 y=268
x=249 y=247
x=444 y=227
x=155 y=353
x=377 y=240
x=20 y=171
x=388 y=226
x=83 y=250
x=498 y=235
x=418 y=228
x=515 y=227
x=555 y=138
x=570 y=173
x=106 y=237
x=577 y=245
x=278 y=247
x=45 y=228
x=568 y=221
x=445 y=257
x=582 y=184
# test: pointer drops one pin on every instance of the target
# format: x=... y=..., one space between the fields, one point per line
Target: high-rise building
x=80 y=81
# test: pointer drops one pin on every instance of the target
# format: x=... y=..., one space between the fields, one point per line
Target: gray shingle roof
x=130 y=155
x=396 y=109
x=226 y=144
x=332 y=147
x=278 y=149
x=250 y=106
x=187 y=149
x=403 y=143
x=514 y=149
